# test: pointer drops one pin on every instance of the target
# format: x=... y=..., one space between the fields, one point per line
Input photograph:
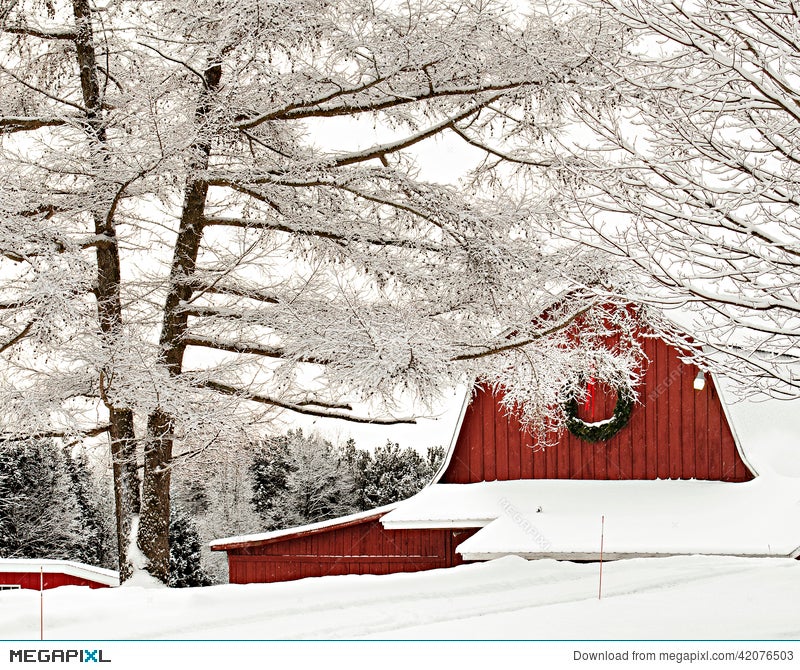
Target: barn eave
x=263 y=539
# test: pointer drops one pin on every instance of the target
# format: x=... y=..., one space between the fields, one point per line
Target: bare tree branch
x=10 y=124
x=354 y=236
x=381 y=151
x=43 y=33
x=92 y=432
x=246 y=348
x=300 y=408
x=18 y=337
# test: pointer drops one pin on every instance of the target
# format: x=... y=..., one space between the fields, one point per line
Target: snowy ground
x=689 y=597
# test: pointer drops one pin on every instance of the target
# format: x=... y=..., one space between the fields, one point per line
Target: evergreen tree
x=41 y=516
x=358 y=463
x=393 y=474
x=300 y=479
x=96 y=547
x=184 y=552
x=270 y=468
x=434 y=457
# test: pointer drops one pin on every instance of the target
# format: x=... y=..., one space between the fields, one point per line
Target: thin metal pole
x=602 y=534
x=41 y=603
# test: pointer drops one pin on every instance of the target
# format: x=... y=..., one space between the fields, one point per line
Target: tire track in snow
x=397 y=608
x=523 y=602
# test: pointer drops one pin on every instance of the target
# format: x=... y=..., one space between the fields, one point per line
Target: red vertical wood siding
x=675 y=432
x=360 y=548
x=30 y=580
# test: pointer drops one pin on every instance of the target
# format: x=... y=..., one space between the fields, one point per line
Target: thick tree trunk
x=154 y=527
x=107 y=292
x=153 y=537
x=126 y=482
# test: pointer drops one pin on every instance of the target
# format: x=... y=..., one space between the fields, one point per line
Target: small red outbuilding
x=673 y=480
x=34 y=573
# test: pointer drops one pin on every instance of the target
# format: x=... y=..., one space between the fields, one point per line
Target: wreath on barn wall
x=600 y=431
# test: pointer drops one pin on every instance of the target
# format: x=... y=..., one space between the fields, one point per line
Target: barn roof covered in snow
x=564 y=519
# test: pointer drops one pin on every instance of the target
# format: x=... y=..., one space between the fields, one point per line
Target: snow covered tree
x=299 y=479
x=95 y=547
x=215 y=489
x=185 y=568
x=271 y=466
x=47 y=508
x=192 y=242
x=391 y=474
x=691 y=171
x=196 y=498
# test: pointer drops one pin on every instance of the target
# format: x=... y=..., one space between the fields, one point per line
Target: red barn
x=672 y=480
x=24 y=573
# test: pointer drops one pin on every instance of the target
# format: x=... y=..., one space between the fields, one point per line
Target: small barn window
x=9 y=587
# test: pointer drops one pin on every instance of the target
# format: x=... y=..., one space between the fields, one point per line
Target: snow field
x=682 y=597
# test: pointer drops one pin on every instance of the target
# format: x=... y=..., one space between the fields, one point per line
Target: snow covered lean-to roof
x=661 y=514
x=662 y=517
x=80 y=571
x=302 y=530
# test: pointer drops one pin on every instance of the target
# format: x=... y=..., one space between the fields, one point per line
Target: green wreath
x=600 y=431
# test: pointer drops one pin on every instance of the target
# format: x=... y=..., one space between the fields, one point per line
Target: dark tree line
x=50 y=507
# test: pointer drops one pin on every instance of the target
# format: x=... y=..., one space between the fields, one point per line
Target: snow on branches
x=212 y=249
x=691 y=172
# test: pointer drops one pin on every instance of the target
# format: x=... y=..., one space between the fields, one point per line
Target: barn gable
x=675 y=432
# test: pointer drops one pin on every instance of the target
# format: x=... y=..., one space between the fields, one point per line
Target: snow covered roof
x=50 y=566
x=767 y=430
x=760 y=517
x=232 y=542
x=562 y=518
